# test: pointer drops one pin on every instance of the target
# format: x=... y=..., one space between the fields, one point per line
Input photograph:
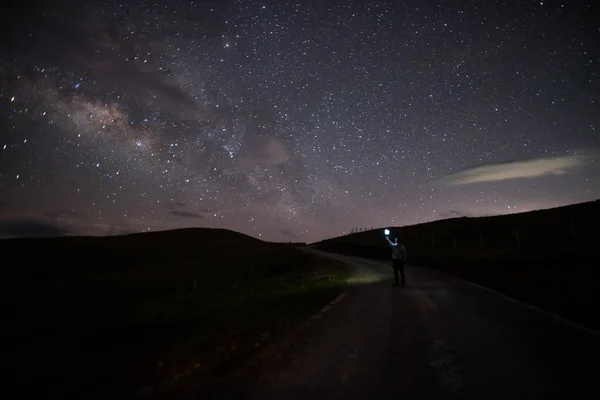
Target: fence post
x=417 y=239
x=481 y=240
x=433 y=241
x=573 y=233
x=454 y=241
x=518 y=238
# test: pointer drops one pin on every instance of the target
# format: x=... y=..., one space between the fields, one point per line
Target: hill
x=40 y=259
x=151 y=314
x=547 y=257
x=568 y=226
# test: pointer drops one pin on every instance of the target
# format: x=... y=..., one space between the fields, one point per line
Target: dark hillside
x=104 y=317
x=548 y=257
x=39 y=259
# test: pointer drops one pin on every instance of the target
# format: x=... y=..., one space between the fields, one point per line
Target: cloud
x=30 y=227
x=514 y=170
x=175 y=205
x=178 y=206
x=105 y=49
x=288 y=234
x=454 y=214
x=273 y=151
x=62 y=213
x=116 y=230
x=177 y=209
x=186 y=214
x=265 y=150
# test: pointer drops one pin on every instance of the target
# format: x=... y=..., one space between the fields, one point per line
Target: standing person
x=398 y=258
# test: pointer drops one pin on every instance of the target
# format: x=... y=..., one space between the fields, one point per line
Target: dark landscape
x=162 y=314
x=146 y=314
x=195 y=197
x=553 y=264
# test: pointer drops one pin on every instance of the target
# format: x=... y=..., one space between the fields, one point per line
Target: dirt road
x=438 y=337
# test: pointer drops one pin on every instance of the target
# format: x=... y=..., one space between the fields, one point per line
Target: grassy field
x=553 y=265
x=150 y=315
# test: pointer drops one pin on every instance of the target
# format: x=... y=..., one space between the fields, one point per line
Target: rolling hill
x=149 y=314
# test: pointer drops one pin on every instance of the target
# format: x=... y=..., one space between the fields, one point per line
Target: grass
x=243 y=322
x=150 y=327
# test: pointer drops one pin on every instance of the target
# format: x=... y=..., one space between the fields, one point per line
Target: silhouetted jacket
x=398 y=250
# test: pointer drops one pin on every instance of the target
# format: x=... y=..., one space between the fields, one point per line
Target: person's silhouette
x=398 y=259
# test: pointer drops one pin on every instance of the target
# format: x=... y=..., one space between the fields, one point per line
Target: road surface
x=438 y=337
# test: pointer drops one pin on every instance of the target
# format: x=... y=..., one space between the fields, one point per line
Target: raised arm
x=389 y=241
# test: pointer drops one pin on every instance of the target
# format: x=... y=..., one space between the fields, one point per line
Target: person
x=398 y=259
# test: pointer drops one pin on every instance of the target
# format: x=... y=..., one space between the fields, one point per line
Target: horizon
x=52 y=234
x=290 y=122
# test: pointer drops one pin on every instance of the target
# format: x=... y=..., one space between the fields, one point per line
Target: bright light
x=387 y=232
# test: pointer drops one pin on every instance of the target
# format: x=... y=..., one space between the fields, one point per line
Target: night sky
x=293 y=120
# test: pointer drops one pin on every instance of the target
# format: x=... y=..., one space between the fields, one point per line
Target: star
x=294 y=123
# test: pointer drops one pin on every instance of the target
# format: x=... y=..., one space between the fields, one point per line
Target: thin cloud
x=178 y=209
x=514 y=170
x=31 y=227
x=454 y=214
x=265 y=150
x=289 y=234
x=186 y=214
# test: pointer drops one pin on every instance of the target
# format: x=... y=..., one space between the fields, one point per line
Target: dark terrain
x=207 y=313
x=553 y=263
x=146 y=315
x=437 y=338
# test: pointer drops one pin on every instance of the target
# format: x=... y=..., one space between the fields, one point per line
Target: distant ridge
x=584 y=214
x=202 y=235
x=206 y=235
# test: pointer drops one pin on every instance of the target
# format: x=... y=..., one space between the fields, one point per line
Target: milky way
x=293 y=120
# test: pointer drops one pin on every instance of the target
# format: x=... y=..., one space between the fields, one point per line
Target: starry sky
x=293 y=120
